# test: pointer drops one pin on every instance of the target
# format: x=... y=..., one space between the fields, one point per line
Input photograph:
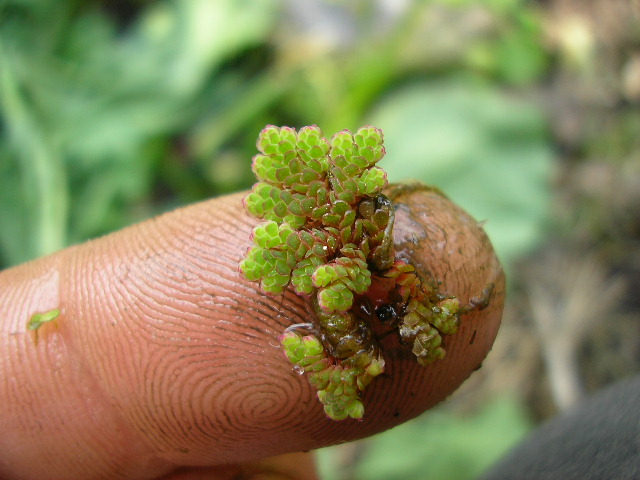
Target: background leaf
x=488 y=151
x=439 y=445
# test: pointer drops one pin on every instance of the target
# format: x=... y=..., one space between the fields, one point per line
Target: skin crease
x=165 y=363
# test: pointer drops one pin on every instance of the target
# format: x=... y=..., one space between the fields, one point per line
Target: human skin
x=164 y=361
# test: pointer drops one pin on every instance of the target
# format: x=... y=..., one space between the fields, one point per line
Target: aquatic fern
x=327 y=232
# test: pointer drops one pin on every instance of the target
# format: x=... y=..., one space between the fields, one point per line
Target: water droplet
x=296 y=326
x=298 y=369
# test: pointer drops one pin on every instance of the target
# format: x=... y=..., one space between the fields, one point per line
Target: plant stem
x=44 y=178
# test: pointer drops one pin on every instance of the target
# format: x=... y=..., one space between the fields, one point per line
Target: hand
x=164 y=361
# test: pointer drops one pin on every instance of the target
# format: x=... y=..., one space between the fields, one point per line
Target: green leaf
x=439 y=444
x=267 y=235
x=372 y=181
x=487 y=151
x=38 y=319
x=274 y=282
x=256 y=263
x=335 y=298
x=445 y=445
x=342 y=145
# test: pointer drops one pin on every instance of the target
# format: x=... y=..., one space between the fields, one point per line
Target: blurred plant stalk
x=566 y=303
x=43 y=172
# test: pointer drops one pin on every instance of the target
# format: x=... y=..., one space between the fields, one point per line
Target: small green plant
x=37 y=320
x=328 y=234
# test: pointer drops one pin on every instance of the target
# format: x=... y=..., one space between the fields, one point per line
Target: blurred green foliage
x=439 y=445
x=90 y=106
x=487 y=150
x=111 y=115
x=111 y=112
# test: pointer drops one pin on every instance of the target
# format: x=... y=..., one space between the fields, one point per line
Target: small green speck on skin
x=37 y=320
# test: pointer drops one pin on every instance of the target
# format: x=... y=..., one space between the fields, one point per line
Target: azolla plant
x=328 y=234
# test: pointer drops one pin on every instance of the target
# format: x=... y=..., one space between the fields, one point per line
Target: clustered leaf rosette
x=338 y=385
x=327 y=229
x=426 y=314
x=308 y=192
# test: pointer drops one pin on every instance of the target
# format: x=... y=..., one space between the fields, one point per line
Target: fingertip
x=182 y=352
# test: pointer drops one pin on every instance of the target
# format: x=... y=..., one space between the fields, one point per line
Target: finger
x=164 y=356
x=291 y=466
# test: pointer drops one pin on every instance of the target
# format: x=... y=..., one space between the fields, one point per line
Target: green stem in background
x=328 y=235
x=43 y=171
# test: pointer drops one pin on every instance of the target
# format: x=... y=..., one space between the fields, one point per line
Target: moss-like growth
x=327 y=231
